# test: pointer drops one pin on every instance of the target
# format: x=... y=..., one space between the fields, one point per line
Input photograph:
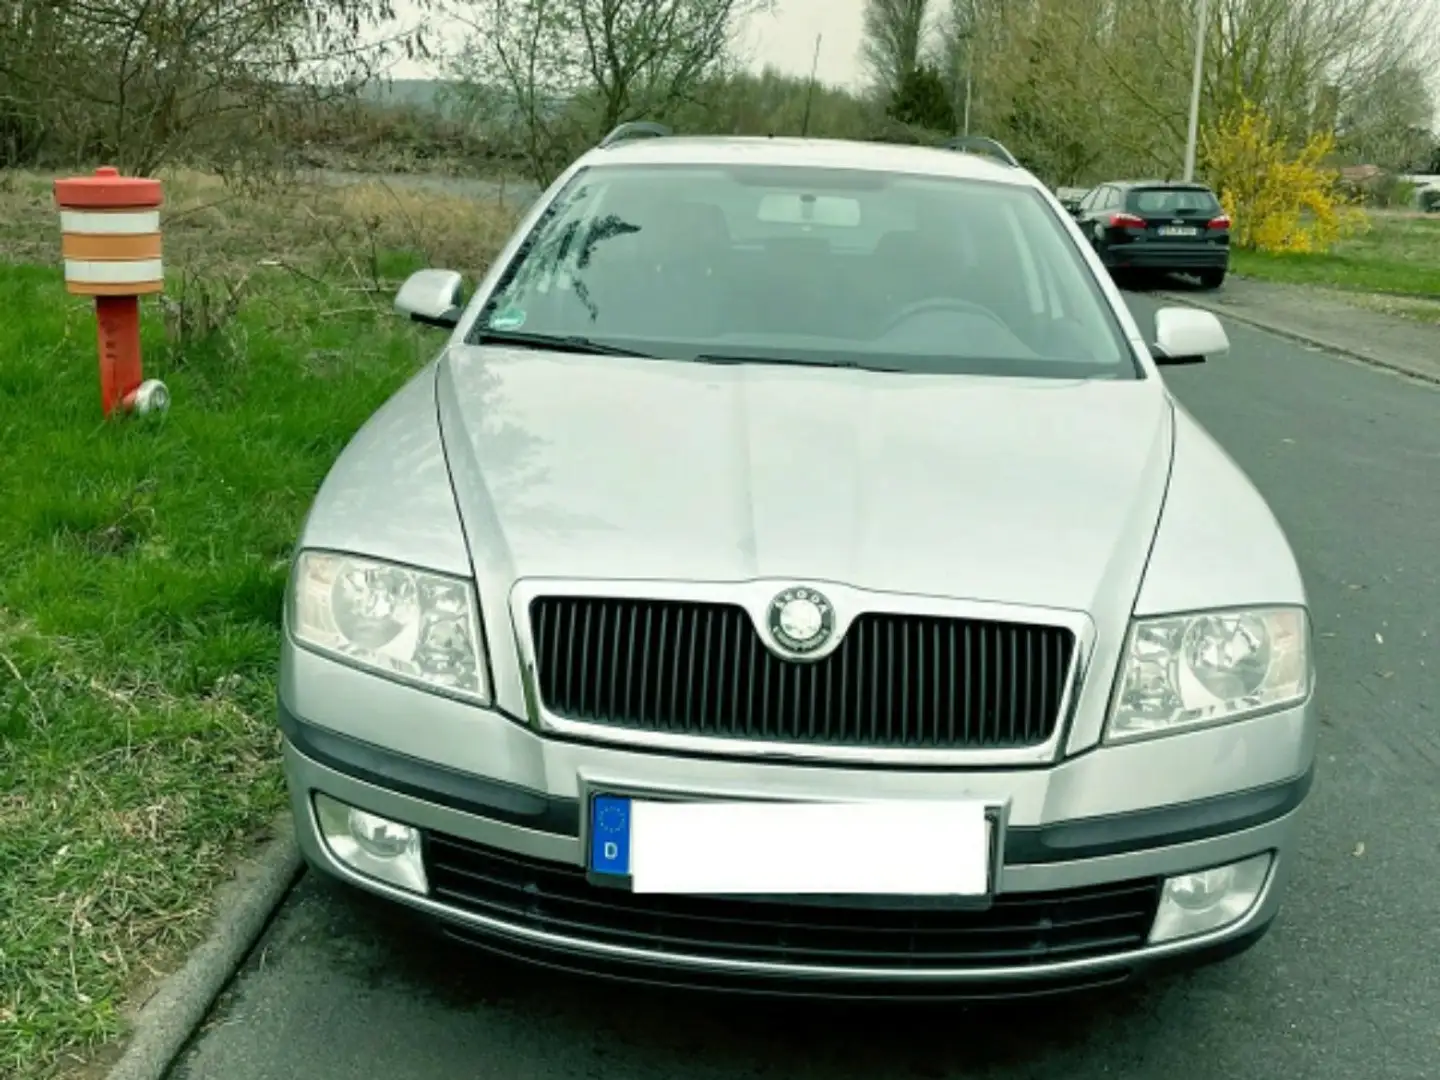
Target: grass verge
x=142 y=564
x=1414 y=308
x=1399 y=255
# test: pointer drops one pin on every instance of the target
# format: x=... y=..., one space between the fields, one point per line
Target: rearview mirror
x=1187 y=336
x=431 y=297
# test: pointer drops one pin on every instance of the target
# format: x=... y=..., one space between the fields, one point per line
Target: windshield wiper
x=851 y=365
x=566 y=344
x=591 y=347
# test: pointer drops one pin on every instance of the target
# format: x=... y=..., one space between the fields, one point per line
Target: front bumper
x=1084 y=846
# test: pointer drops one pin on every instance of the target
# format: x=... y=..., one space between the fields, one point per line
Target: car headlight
x=413 y=625
x=1186 y=671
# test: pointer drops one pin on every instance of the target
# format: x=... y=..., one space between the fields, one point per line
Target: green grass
x=142 y=565
x=1399 y=255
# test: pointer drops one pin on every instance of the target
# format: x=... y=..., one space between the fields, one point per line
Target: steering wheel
x=934 y=305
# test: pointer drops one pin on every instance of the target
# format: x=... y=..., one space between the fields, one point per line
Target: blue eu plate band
x=608 y=863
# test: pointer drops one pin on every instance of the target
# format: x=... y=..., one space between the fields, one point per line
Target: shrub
x=922 y=100
x=1390 y=192
x=1280 y=198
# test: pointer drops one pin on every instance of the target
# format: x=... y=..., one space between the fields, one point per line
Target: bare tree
x=1390 y=122
x=564 y=71
x=646 y=57
x=143 y=82
x=1083 y=89
x=1094 y=88
x=518 y=74
x=894 y=40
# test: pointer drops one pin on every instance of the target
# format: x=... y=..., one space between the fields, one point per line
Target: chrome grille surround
x=755 y=597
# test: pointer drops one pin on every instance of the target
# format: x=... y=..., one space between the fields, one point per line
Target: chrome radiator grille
x=895 y=681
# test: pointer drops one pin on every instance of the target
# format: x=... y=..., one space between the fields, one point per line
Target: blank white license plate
x=915 y=848
x=1177 y=230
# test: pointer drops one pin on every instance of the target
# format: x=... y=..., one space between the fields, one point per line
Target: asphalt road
x=1347 y=985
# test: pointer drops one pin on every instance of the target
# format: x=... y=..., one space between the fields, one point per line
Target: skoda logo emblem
x=801 y=620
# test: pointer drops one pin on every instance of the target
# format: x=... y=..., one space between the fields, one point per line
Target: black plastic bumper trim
x=1116 y=834
x=425 y=780
x=787 y=986
x=782 y=985
x=1066 y=841
x=1137 y=258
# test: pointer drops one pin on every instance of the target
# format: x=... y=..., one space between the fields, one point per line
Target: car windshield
x=814 y=266
x=1173 y=201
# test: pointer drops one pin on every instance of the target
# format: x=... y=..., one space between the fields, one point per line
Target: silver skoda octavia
x=793 y=574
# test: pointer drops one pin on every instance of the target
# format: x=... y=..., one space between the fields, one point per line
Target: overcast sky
x=785 y=40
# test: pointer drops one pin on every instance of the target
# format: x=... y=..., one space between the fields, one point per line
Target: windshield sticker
x=509 y=319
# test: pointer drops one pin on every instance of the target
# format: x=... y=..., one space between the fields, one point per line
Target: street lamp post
x=810 y=91
x=957 y=107
x=1193 y=135
x=969 y=85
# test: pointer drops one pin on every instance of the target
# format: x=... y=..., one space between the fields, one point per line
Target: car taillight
x=1126 y=221
x=1218 y=223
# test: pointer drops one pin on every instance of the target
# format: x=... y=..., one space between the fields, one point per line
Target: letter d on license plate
x=902 y=848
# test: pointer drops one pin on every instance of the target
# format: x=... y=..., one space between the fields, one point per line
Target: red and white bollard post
x=110 y=239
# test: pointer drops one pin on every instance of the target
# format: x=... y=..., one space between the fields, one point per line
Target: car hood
x=1041 y=492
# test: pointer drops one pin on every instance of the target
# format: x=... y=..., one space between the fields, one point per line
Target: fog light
x=1209 y=899
x=371 y=844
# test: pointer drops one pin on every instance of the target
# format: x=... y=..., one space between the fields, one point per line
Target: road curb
x=166 y=1022
x=1349 y=353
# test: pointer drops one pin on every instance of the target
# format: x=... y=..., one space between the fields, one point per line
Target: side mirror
x=1072 y=206
x=1187 y=336
x=431 y=297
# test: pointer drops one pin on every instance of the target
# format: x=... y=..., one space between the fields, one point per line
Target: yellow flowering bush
x=1279 y=199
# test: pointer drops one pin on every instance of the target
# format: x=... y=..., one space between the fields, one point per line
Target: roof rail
x=635 y=129
x=979 y=144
